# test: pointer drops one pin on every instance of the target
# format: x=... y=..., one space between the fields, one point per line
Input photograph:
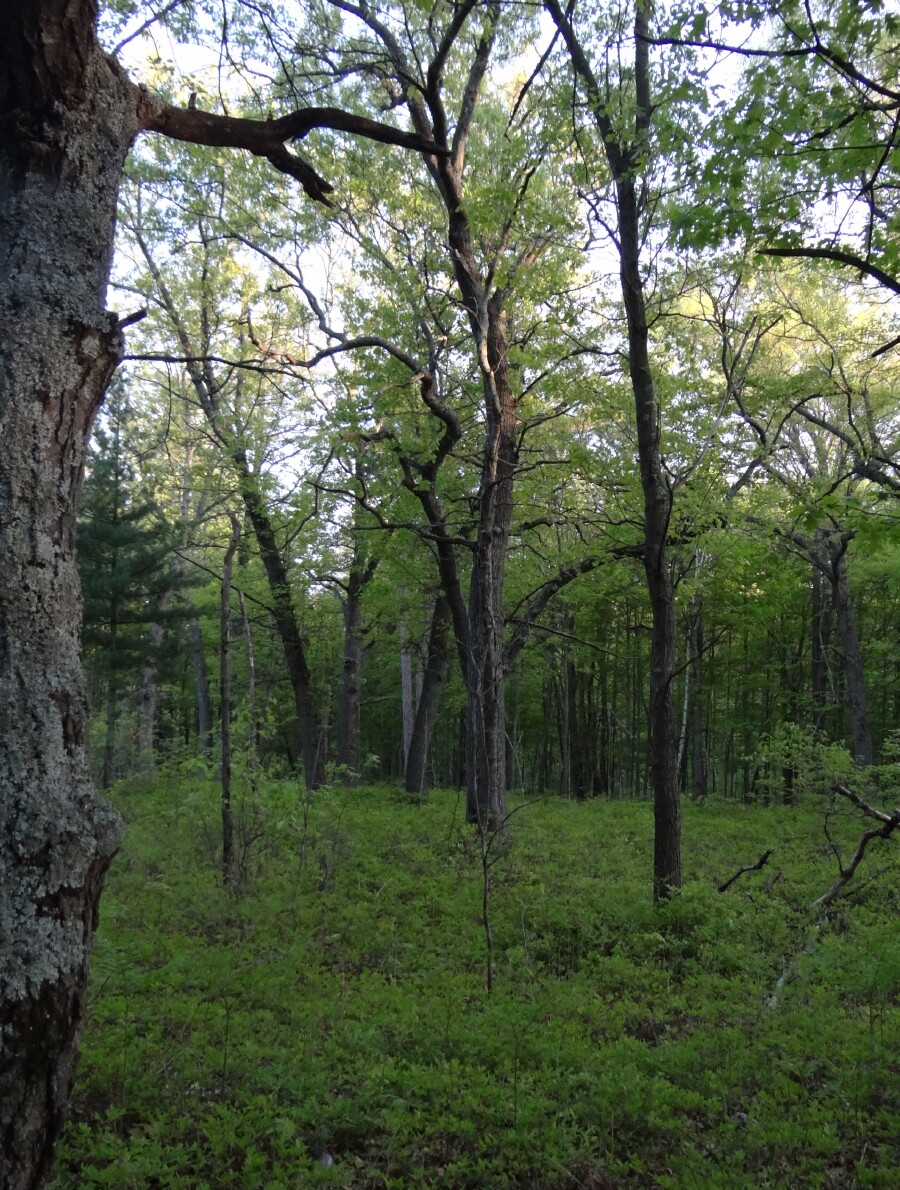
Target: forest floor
x=328 y=1023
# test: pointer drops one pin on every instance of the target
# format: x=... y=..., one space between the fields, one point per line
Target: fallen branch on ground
x=889 y=823
x=760 y=863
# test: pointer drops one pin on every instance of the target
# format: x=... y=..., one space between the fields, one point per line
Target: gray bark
x=68 y=118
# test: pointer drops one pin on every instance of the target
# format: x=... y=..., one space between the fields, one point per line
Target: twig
x=760 y=863
x=889 y=823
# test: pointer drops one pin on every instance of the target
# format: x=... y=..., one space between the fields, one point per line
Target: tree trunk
x=202 y=695
x=348 y=714
x=406 y=696
x=699 y=765
x=416 y=773
x=486 y=711
x=68 y=118
x=150 y=691
x=308 y=725
x=657 y=510
x=228 y=865
x=108 y=773
x=252 y=717
x=854 y=673
x=820 y=632
x=626 y=161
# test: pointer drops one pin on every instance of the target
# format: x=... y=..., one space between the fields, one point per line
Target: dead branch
x=760 y=863
x=889 y=823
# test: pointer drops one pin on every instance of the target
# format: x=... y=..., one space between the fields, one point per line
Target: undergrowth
x=328 y=1024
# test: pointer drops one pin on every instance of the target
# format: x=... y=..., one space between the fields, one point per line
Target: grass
x=334 y=1007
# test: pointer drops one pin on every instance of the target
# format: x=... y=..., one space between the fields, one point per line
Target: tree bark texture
x=67 y=118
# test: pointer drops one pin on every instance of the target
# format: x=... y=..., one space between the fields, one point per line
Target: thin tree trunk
x=406 y=696
x=699 y=766
x=202 y=695
x=108 y=773
x=308 y=725
x=348 y=714
x=626 y=161
x=854 y=673
x=252 y=720
x=149 y=697
x=228 y=859
x=819 y=632
x=429 y=698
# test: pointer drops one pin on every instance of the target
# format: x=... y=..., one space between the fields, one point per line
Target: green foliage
x=336 y=1003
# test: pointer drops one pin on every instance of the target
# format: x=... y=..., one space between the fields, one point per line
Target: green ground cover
x=336 y=1003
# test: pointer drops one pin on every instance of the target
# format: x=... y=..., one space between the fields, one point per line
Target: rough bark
x=68 y=115
x=67 y=121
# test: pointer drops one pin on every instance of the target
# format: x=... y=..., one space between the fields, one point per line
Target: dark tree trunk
x=67 y=118
x=202 y=695
x=308 y=726
x=626 y=161
x=820 y=630
x=852 y=658
x=657 y=510
x=348 y=713
x=699 y=763
x=228 y=865
x=149 y=701
x=429 y=699
x=486 y=713
x=108 y=772
x=252 y=718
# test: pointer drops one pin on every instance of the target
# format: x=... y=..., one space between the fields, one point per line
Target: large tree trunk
x=68 y=117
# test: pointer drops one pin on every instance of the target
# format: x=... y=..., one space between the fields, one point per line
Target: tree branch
x=266 y=138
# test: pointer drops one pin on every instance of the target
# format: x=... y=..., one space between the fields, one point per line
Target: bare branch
x=760 y=863
x=890 y=823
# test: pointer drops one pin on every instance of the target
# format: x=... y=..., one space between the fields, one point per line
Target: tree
x=626 y=147
x=125 y=549
x=801 y=156
x=70 y=115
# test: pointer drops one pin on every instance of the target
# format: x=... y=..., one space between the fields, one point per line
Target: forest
x=451 y=594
